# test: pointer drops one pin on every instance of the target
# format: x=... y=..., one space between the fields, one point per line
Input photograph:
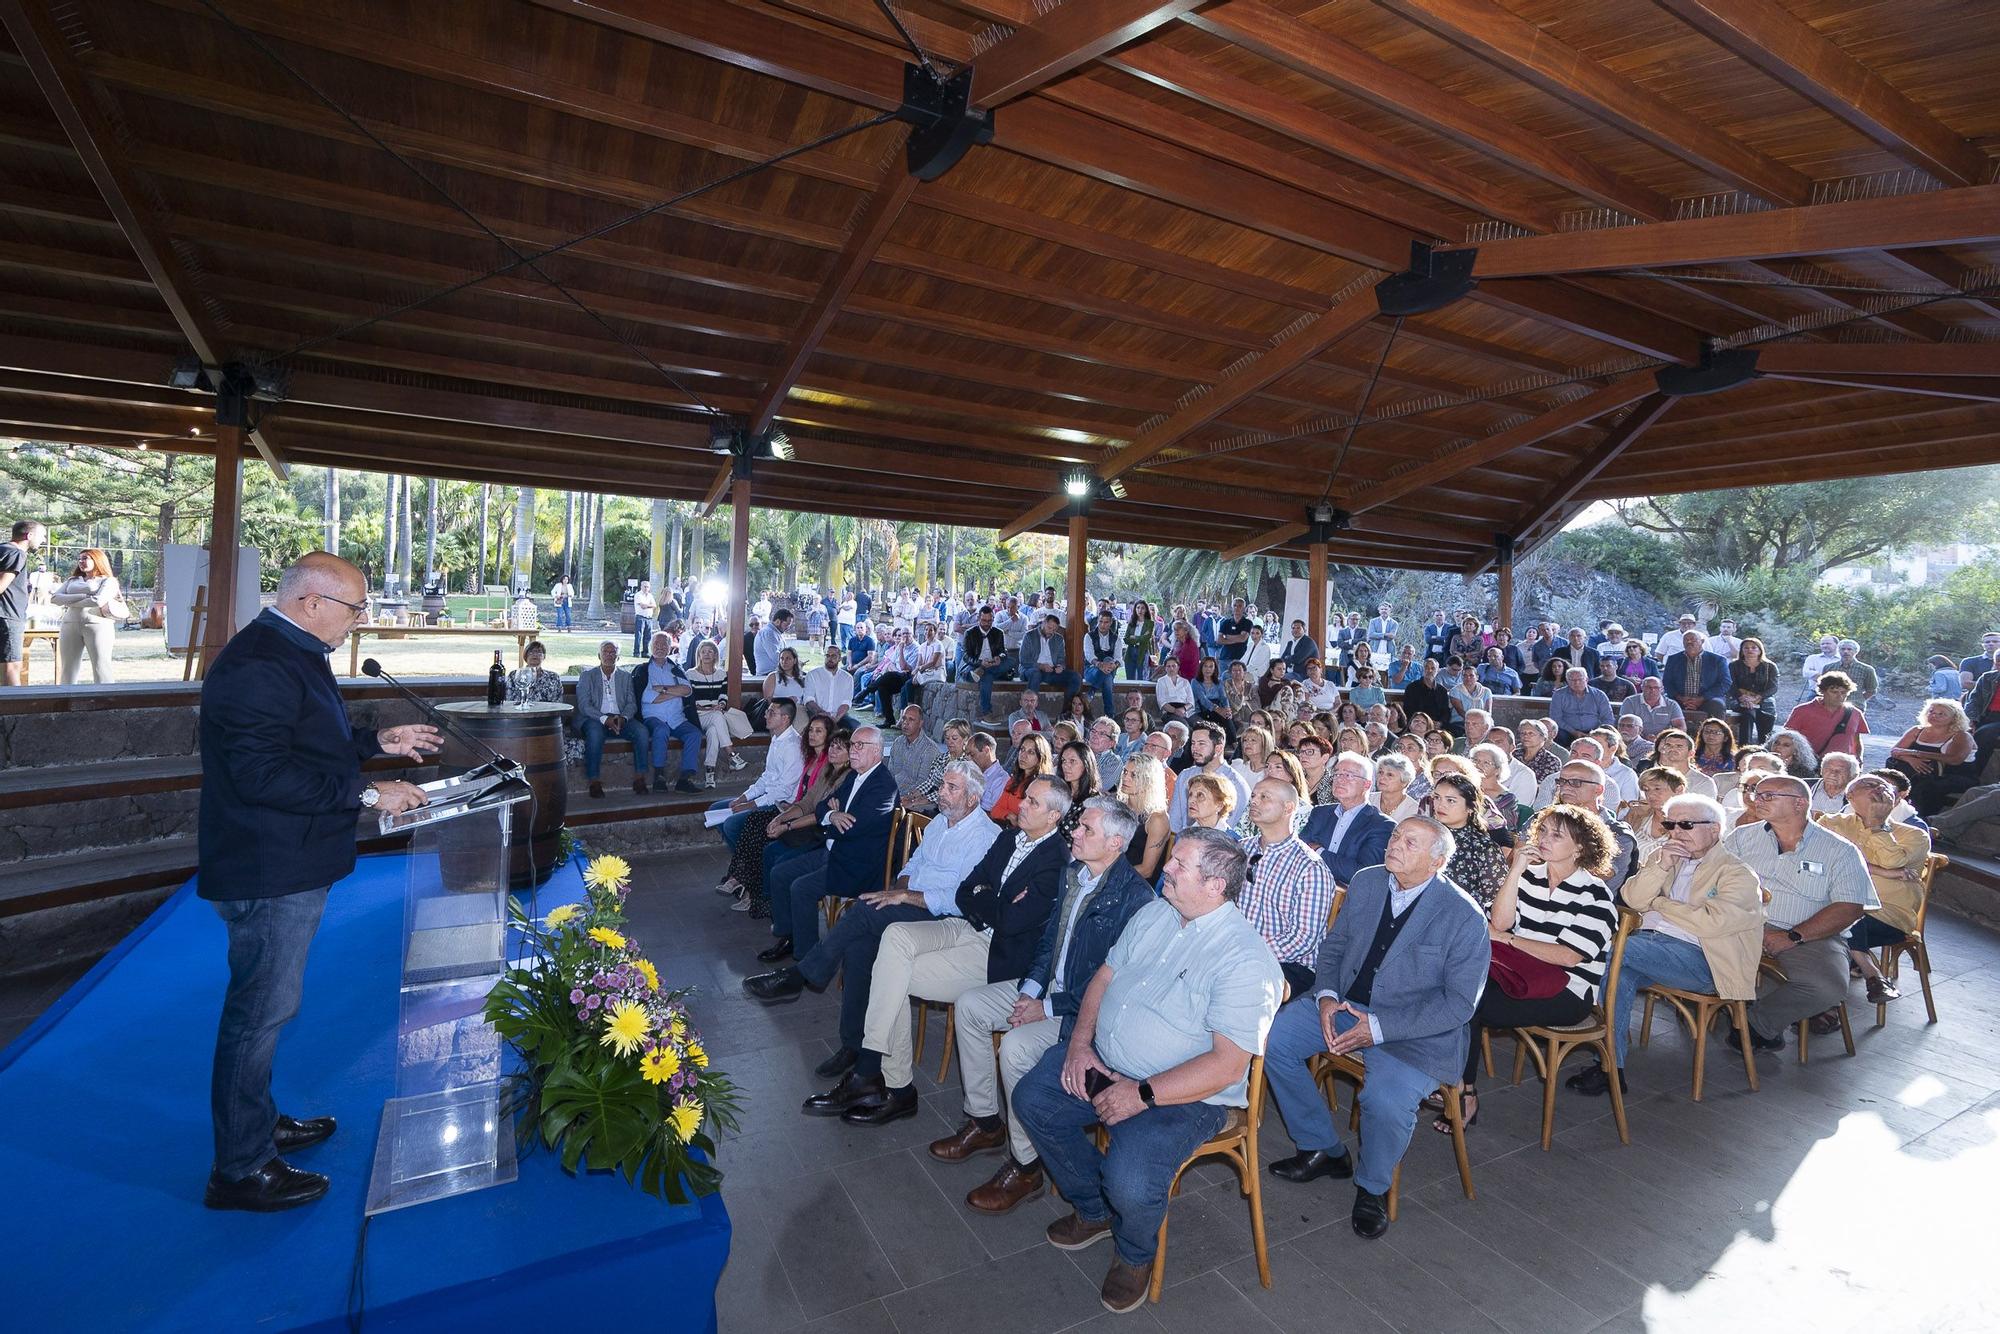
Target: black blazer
x=280 y=767
x=1018 y=908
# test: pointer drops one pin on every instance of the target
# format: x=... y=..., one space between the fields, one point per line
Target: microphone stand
x=496 y=762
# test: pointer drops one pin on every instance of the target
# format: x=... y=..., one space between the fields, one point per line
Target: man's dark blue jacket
x=1367 y=839
x=1110 y=906
x=280 y=767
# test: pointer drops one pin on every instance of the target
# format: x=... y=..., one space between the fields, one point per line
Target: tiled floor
x=1847 y=1194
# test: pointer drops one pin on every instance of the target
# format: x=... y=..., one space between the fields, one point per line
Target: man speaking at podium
x=281 y=793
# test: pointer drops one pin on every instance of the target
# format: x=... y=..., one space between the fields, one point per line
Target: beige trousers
x=937 y=961
x=982 y=1012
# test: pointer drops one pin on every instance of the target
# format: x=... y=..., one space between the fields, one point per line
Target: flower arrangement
x=617 y=1074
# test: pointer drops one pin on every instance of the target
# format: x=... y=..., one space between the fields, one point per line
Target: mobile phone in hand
x=1095 y=1081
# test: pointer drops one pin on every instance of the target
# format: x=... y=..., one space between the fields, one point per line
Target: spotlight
x=1116 y=487
x=145 y=444
x=1078 y=485
x=774 y=444
x=721 y=441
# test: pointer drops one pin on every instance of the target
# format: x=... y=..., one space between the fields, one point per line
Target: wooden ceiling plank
x=1978 y=390
x=1635 y=424
x=1068 y=37
x=1881 y=358
x=1966 y=215
x=91 y=134
x=877 y=217
x=1784 y=47
x=1613 y=396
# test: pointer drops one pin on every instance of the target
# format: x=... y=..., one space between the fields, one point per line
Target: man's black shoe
x=687 y=784
x=1758 y=1042
x=274 y=1186
x=880 y=1109
x=851 y=1089
x=1371 y=1213
x=838 y=1064
x=293 y=1134
x=784 y=985
x=1593 y=1082
x=659 y=784
x=1314 y=1164
x=778 y=952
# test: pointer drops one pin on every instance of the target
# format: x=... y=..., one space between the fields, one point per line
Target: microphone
x=498 y=762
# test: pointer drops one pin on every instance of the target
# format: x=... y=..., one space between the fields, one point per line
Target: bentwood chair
x=1773 y=968
x=1550 y=1046
x=1236 y=1144
x=1913 y=945
x=1698 y=1011
x=1328 y=1070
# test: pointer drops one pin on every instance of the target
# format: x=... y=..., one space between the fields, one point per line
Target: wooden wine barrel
x=533 y=735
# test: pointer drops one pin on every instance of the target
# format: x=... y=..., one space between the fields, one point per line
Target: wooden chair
x=1773 y=968
x=902 y=841
x=1698 y=1010
x=1236 y=1143
x=1328 y=1069
x=1550 y=1046
x=1913 y=945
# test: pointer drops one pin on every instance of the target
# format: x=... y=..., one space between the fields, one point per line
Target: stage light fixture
x=774 y=444
x=721 y=441
x=145 y=444
x=1116 y=487
x=1077 y=486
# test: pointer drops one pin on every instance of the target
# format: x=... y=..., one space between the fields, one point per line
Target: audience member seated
x=1578 y=707
x=661 y=687
x=1632 y=741
x=912 y=759
x=1551 y=924
x=1637 y=666
x=1828 y=721
x=1033 y=758
x=1539 y=751
x=830 y=687
x=1701 y=929
x=1346 y=831
x=1159 y=1054
x=1142 y=787
x=782 y=781
x=929 y=888
x=1044 y=658
x=606 y=707
x=1655 y=710
x=1173 y=695
x=1695 y=678
x=1496 y=675
x=1287 y=890
x=1393 y=775
x=1674 y=749
x=1753 y=692
x=1212 y=803
x=1657 y=786
x=1254 y=745
x=857 y=818
x=1836 y=772
x=1098 y=895
x=794 y=830
x=1029 y=712
x=1077 y=772
x=1714 y=748
x=1617 y=687
x=1477 y=865
x=1102 y=738
x=1209 y=754
x=1399 y=977
x=1101 y=653
x=1429 y=695
x=1895 y=855
x=1819 y=888
x=1937 y=755
x=1795 y=752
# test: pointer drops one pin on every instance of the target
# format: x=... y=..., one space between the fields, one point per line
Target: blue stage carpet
x=105 y=1146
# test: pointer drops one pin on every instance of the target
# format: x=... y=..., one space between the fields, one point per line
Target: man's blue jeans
x=732 y=828
x=1127 y=1182
x=1654 y=957
x=999 y=671
x=1389 y=1095
x=1094 y=676
x=268 y=940
x=1035 y=677
x=634 y=730
x=665 y=734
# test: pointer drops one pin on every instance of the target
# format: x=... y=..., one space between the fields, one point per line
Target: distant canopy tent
x=1403 y=285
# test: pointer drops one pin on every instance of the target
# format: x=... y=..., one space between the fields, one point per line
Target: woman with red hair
x=92 y=607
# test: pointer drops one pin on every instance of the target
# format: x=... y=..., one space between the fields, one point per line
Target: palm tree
x=485 y=518
x=524 y=536
x=1183 y=573
x=596 y=505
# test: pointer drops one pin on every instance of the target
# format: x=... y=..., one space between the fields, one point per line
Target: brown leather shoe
x=1011 y=1186
x=1125 y=1286
x=967 y=1141
x=596 y=788
x=1071 y=1233
x=639 y=784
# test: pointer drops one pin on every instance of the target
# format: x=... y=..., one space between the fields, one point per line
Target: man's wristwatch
x=369 y=796
x=1795 y=937
x=1146 y=1092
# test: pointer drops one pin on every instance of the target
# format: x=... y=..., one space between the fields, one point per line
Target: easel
x=193 y=667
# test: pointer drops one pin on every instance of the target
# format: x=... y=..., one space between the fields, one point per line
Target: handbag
x=1524 y=977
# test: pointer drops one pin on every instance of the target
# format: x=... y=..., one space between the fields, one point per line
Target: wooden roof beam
x=1797 y=56
x=1881 y=358
x=1069 y=36
x=1967 y=215
x=1613 y=396
x=47 y=55
x=1972 y=387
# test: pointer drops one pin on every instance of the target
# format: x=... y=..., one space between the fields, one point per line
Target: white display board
x=186 y=569
x=1298 y=597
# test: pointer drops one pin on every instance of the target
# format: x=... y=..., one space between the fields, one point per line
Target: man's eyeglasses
x=1683 y=824
x=1577 y=782
x=1339 y=774
x=358 y=608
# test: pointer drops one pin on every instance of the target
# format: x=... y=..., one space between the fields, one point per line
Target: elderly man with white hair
x=1398 y=977
x=1702 y=927
x=1578 y=706
x=1836 y=771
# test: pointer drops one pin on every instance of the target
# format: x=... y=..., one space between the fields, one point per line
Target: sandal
x=1434 y=1102
x=1469 y=1105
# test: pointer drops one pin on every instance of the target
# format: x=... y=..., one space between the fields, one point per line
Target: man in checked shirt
x=1287 y=890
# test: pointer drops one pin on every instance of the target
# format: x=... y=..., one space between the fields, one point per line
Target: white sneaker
x=736 y=760
x=709 y=779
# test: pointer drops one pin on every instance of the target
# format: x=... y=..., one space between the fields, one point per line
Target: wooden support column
x=224 y=527
x=1079 y=556
x=1503 y=619
x=1316 y=596
x=739 y=585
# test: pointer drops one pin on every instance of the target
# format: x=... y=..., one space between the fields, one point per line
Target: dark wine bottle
x=496 y=683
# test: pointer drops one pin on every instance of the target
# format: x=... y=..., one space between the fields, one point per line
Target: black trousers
x=1499 y=1010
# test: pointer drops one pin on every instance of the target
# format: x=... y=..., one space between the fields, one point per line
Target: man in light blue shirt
x=1159 y=1053
x=770 y=642
x=1579 y=707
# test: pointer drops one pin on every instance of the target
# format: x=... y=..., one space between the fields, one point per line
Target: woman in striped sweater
x=1555 y=907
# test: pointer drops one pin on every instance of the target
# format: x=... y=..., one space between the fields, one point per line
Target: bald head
x=323 y=595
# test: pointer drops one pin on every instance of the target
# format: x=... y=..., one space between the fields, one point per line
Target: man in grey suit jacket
x=614 y=712
x=1399 y=976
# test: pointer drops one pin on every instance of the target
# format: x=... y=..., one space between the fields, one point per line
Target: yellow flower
x=647 y=971
x=685 y=1119
x=566 y=913
x=605 y=936
x=659 y=1065
x=696 y=1055
x=677 y=1027
x=625 y=1028
x=607 y=872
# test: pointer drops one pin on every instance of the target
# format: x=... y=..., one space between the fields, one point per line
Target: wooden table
x=522 y=638
x=28 y=642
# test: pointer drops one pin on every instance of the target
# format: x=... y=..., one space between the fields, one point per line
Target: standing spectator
x=1818 y=664
x=1437 y=637
x=1945 y=679
x=1140 y=632
x=1866 y=683
x=1725 y=641
x=563 y=593
x=770 y=642
x=645 y=614
x=1753 y=692
x=1828 y=722
x=28 y=534
x=1986 y=659
x=92 y=607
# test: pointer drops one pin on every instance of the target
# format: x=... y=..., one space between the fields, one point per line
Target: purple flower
x=593 y=1002
x=576 y=996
